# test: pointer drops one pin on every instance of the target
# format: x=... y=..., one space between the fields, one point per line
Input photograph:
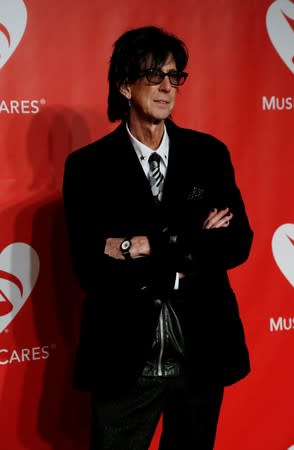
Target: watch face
x=125 y=245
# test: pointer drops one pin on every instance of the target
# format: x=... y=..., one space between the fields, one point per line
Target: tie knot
x=154 y=160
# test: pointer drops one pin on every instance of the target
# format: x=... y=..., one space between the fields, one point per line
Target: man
x=155 y=220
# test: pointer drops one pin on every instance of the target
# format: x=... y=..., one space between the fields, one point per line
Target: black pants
x=128 y=422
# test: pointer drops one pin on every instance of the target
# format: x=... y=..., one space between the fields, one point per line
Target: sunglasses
x=156 y=76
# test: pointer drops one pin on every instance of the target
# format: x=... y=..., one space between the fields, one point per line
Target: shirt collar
x=143 y=151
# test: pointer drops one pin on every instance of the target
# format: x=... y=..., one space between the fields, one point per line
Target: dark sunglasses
x=156 y=76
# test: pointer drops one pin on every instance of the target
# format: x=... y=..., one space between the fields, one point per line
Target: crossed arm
x=141 y=245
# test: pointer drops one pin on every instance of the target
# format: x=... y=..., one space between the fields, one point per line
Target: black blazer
x=106 y=193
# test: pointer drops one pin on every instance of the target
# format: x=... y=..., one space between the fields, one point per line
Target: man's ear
x=125 y=90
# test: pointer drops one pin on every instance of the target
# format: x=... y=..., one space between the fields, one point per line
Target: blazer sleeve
x=86 y=208
x=85 y=241
x=217 y=248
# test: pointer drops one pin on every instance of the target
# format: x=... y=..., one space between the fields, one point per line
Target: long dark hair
x=131 y=52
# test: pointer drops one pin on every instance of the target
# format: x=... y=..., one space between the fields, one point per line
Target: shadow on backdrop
x=62 y=414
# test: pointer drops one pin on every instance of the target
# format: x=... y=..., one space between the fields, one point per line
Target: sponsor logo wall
x=53 y=94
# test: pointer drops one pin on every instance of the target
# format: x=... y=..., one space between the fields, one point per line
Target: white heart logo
x=13 y=20
x=283 y=250
x=280 y=31
x=19 y=270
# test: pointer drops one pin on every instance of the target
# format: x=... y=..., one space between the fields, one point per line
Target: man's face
x=153 y=103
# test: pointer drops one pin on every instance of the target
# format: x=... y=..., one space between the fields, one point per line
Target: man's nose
x=165 y=85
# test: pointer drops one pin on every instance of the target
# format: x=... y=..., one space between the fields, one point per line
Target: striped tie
x=155 y=176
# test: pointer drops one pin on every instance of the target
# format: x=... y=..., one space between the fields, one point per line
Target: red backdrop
x=53 y=90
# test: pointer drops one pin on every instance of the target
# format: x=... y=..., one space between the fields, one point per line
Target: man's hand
x=140 y=247
x=218 y=219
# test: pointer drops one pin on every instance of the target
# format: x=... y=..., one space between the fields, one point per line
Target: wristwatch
x=125 y=248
